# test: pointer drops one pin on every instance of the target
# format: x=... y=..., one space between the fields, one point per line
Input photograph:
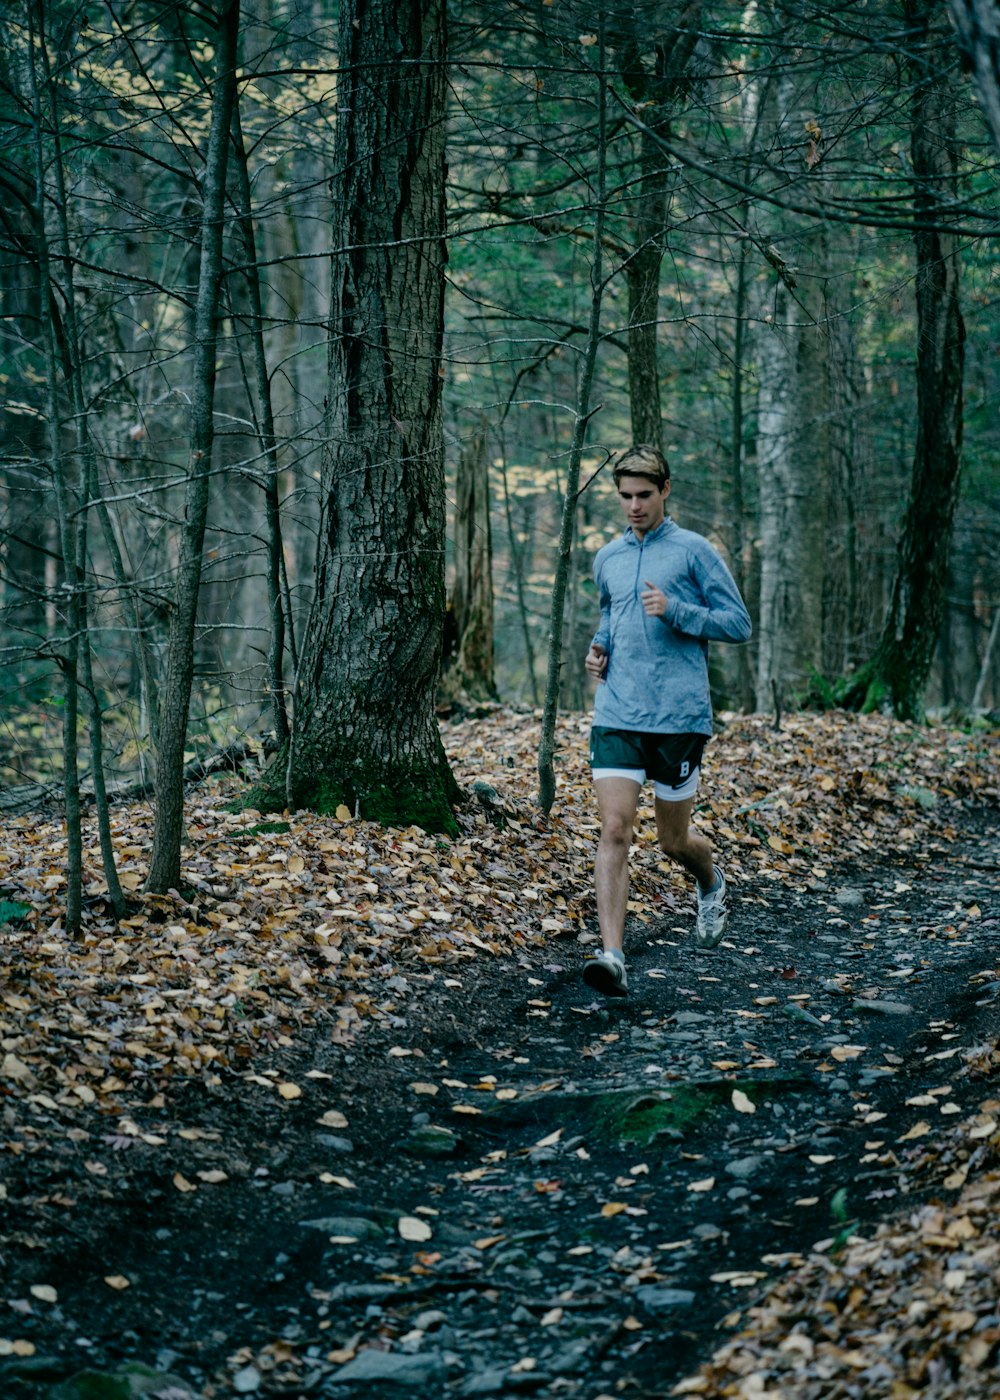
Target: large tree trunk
x=364 y=732
x=902 y=664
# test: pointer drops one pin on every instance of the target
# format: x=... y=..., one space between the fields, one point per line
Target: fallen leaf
x=289 y=1091
x=332 y=1118
x=742 y=1103
x=412 y=1228
x=44 y=1292
x=706 y=1184
x=117 y=1281
x=182 y=1183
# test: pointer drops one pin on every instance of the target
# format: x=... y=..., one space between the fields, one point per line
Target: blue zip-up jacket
x=656 y=681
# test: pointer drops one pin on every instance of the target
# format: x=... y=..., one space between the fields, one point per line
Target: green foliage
x=12 y=911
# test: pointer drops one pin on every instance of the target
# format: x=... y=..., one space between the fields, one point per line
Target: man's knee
x=674 y=842
x=616 y=832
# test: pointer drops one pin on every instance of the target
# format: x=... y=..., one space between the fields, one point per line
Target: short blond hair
x=643 y=459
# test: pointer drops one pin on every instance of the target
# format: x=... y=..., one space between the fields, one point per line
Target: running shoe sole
x=597 y=974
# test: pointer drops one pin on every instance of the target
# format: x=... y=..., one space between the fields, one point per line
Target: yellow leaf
x=332 y=1118
x=464 y=1108
x=212 y=1177
x=613 y=1208
x=343 y=814
x=118 y=1282
x=182 y=1183
x=488 y=1241
x=412 y=1228
x=918 y=1130
x=553 y=1316
x=742 y=1103
x=289 y=1091
x=345 y=1181
x=847 y=1052
x=13 y=1068
x=706 y=1184
x=296 y=865
x=44 y=1292
x=422 y=1088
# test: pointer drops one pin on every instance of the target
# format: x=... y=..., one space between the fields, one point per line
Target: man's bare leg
x=683 y=842
x=617 y=800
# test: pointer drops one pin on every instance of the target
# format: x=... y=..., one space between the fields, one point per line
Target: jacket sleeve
x=602 y=637
x=722 y=617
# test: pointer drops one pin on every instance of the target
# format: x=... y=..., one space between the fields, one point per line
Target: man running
x=665 y=593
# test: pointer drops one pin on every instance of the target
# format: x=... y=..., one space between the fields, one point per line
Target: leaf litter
x=174 y=1049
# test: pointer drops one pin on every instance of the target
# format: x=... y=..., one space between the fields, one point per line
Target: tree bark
x=470 y=673
x=902 y=664
x=364 y=731
x=659 y=89
x=567 y=533
x=977 y=24
x=165 y=860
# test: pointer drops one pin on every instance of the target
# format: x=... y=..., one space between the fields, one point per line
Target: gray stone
x=849 y=899
x=744 y=1167
x=427 y=1321
x=333 y=1143
x=372 y=1367
x=356 y=1226
x=658 y=1299
x=690 y=1018
x=883 y=1008
x=489 y=1382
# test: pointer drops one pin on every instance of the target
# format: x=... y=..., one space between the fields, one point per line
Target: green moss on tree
x=423 y=797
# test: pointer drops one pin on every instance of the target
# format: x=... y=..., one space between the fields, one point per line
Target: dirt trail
x=526 y=1190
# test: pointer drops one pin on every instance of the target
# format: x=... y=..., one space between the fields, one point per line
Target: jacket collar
x=664 y=528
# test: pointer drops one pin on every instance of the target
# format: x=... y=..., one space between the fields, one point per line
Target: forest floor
x=341 y=1119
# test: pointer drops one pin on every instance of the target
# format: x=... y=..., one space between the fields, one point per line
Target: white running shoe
x=713 y=914
x=606 y=973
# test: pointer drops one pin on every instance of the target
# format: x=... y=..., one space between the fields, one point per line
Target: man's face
x=643 y=502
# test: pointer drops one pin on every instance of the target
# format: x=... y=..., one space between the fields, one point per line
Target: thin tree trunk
x=984 y=670
x=165 y=860
x=584 y=413
x=65 y=468
x=470 y=674
x=660 y=89
x=266 y=436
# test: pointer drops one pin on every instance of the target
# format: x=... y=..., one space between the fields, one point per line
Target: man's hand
x=653 y=599
x=596 y=663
